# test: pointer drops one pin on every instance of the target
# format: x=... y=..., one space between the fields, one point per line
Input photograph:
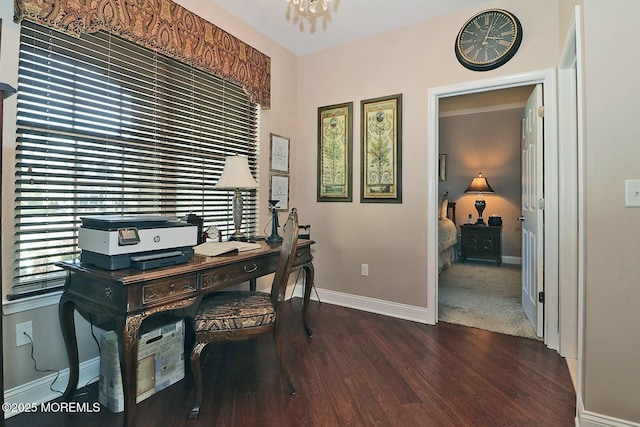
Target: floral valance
x=163 y=26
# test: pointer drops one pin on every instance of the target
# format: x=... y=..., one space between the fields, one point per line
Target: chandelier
x=310 y=5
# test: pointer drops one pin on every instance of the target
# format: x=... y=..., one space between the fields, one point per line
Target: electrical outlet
x=365 y=269
x=21 y=330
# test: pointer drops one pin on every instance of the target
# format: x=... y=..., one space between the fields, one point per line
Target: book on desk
x=222 y=248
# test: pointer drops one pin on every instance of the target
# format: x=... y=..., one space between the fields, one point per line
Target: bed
x=447 y=232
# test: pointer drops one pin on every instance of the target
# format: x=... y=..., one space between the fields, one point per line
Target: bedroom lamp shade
x=236 y=176
x=479 y=185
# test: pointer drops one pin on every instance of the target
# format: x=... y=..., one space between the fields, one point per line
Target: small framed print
x=279 y=154
x=280 y=191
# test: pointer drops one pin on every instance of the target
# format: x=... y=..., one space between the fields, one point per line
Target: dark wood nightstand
x=481 y=241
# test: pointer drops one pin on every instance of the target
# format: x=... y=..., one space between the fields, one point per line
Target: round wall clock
x=488 y=40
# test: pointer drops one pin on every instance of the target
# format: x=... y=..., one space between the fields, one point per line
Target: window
x=105 y=126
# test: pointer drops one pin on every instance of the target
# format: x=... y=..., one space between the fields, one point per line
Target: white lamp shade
x=236 y=174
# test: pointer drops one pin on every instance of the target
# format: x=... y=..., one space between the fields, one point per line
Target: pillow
x=443 y=202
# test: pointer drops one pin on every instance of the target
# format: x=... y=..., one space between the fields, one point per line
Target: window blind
x=108 y=127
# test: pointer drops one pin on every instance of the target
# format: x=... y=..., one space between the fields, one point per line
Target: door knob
x=520 y=218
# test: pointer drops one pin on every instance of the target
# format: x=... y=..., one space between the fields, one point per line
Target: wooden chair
x=241 y=315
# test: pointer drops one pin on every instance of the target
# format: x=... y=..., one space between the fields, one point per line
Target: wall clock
x=488 y=40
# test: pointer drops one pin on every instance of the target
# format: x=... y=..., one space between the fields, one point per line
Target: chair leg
x=196 y=369
x=277 y=336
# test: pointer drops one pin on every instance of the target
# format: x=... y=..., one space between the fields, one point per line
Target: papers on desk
x=220 y=248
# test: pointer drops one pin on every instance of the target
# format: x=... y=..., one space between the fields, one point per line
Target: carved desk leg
x=127 y=330
x=308 y=284
x=66 y=309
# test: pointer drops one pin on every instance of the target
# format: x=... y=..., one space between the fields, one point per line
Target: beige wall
x=612 y=148
x=392 y=238
x=487 y=142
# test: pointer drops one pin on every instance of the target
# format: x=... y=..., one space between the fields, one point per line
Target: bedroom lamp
x=479 y=185
x=236 y=176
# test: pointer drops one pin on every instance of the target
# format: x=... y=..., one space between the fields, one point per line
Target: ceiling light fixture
x=310 y=5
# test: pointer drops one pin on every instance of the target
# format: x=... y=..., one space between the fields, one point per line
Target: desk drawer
x=168 y=289
x=233 y=274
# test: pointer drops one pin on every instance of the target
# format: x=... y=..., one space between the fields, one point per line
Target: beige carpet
x=484 y=296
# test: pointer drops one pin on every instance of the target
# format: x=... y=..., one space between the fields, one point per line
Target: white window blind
x=105 y=126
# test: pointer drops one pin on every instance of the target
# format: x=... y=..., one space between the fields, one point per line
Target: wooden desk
x=129 y=296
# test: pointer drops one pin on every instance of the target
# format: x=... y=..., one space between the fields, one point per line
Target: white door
x=533 y=209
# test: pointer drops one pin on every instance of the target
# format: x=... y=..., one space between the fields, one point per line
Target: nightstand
x=481 y=241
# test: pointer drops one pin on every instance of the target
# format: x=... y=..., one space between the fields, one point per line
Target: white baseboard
x=592 y=419
x=372 y=305
x=512 y=260
x=39 y=391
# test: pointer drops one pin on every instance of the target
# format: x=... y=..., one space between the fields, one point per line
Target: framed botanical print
x=381 y=150
x=335 y=151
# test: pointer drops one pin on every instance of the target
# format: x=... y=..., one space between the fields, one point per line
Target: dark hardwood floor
x=360 y=369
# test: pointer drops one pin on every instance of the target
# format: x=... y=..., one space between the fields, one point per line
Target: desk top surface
x=195 y=264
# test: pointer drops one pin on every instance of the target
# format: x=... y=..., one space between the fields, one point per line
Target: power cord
x=295 y=284
x=35 y=366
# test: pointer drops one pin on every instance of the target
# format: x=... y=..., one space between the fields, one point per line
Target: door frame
x=548 y=78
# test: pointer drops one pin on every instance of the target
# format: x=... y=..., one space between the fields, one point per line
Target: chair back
x=287 y=254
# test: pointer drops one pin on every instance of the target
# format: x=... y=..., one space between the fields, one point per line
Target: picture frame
x=279 y=162
x=381 y=150
x=442 y=167
x=279 y=190
x=335 y=152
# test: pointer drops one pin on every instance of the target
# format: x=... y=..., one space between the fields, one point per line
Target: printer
x=142 y=242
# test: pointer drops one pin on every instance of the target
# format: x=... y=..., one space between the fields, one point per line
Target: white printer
x=113 y=242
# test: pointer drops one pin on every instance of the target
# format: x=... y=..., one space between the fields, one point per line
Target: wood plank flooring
x=360 y=369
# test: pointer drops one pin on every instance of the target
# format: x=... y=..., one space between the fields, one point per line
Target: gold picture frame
x=381 y=154
x=335 y=151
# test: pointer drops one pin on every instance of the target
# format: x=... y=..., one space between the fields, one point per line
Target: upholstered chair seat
x=234 y=310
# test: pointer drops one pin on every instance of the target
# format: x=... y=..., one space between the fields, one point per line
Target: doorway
x=548 y=79
x=481 y=132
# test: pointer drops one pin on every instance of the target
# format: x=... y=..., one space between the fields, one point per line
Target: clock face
x=488 y=40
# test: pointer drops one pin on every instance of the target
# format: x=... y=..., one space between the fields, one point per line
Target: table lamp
x=479 y=185
x=236 y=176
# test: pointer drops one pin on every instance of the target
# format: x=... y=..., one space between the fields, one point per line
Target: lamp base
x=238 y=236
x=480 y=205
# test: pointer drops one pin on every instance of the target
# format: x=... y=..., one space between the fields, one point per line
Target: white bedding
x=447 y=234
x=447 y=239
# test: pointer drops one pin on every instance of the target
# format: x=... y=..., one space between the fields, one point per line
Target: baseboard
x=593 y=419
x=512 y=260
x=39 y=391
x=516 y=260
x=372 y=305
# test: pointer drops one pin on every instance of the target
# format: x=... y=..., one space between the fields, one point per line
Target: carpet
x=484 y=296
